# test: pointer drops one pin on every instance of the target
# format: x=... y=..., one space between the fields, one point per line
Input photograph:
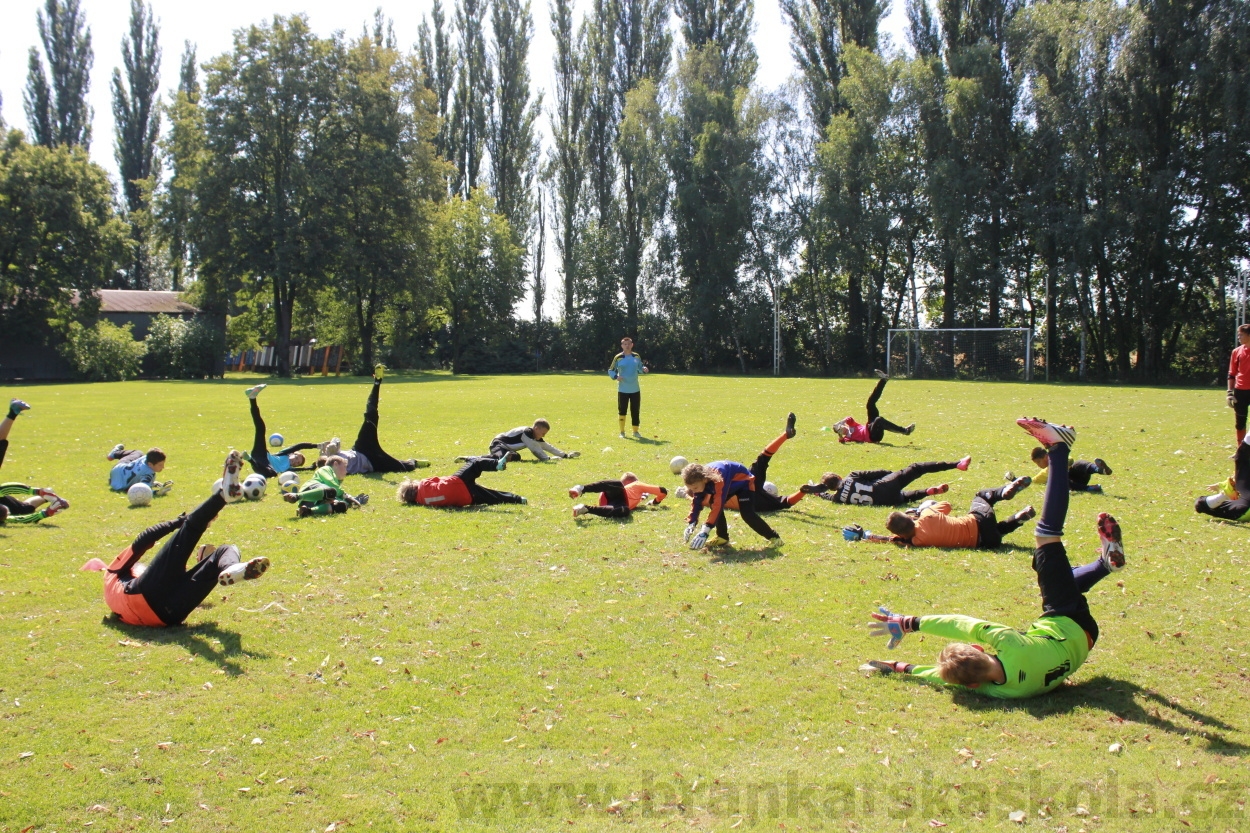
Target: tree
x=57 y=111
x=59 y=236
x=137 y=121
x=510 y=137
x=184 y=148
x=476 y=271
x=438 y=70
x=471 y=102
x=265 y=185
x=567 y=163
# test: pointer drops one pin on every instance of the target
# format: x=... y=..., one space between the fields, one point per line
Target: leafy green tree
x=59 y=236
x=264 y=189
x=183 y=146
x=511 y=139
x=475 y=269
x=567 y=163
x=56 y=100
x=137 y=121
x=438 y=71
x=472 y=97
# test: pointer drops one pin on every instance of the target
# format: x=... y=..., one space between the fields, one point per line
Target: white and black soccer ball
x=140 y=494
x=678 y=463
x=275 y=439
x=289 y=481
x=254 y=486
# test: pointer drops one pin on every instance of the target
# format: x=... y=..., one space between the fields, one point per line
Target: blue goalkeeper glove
x=893 y=625
x=854 y=532
x=699 y=540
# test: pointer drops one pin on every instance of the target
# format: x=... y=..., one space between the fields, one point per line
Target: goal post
x=1004 y=353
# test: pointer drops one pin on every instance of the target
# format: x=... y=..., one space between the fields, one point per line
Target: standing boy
x=1239 y=380
x=625 y=369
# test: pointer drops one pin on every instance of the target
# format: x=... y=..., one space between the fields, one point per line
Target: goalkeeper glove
x=689 y=532
x=854 y=532
x=699 y=540
x=893 y=625
x=572 y=455
x=1232 y=399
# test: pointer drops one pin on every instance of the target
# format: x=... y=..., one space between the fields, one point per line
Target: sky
x=210 y=27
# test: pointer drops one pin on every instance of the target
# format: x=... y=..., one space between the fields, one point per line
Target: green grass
x=541 y=673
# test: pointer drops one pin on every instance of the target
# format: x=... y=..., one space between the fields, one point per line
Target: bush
x=104 y=352
x=177 y=349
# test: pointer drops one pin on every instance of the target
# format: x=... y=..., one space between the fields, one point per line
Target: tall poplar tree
x=567 y=164
x=471 y=99
x=137 y=122
x=56 y=100
x=511 y=138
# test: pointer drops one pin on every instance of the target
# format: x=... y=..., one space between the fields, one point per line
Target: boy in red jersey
x=617 y=498
x=1239 y=380
x=460 y=489
x=850 y=431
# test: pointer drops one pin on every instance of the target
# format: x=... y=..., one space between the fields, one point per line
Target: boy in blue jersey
x=625 y=369
x=271 y=464
x=131 y=467
x=714 y=484
x=1037 y=660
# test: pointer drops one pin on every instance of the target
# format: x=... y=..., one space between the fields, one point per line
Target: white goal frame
x=1026 y=333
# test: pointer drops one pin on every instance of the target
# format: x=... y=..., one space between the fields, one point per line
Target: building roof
x=139 y=300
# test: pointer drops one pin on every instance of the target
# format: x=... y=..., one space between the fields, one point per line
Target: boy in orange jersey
x=931 y=525
x=617 y=498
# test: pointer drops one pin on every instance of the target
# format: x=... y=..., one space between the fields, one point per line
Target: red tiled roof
x=144 y=301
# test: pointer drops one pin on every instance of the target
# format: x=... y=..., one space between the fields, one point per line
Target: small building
x=31 y=362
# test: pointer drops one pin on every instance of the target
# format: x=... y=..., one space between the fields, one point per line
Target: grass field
x=402 y=668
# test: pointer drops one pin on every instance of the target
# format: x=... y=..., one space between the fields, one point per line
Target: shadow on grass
x=1126 y=701
x=732 y=555
x=206 y=640
x=397 y=377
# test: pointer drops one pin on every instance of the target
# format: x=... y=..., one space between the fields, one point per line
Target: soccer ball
x=254 y=486
x=770 y=487
x=275 y=440
x=140 y=494
x=288 y=480
x=676 y=464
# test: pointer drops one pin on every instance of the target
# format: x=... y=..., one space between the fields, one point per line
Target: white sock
x=1217 y=500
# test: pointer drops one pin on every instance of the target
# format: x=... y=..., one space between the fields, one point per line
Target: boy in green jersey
x=323 y=493
x=1037 y=660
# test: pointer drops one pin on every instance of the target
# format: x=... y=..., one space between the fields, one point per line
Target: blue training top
x=626 y=370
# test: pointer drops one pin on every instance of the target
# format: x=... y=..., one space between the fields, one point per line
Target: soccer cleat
x=717 y=542
x=362 y=499
x=501 y=463
x=580 y=509
x=876 y=666
x=55 y=506
x=118 y=451
x=162 y=489
x=304 y=510
x=575 y=491
x=1016 y=486
x=1028 y=513
x=1102 y=466
x=775 y=543
x=47 y=493
x=682 y=493
x=1048 y=433
x=1111 y=550
x=637 y=435
x=523 y=500
x=881 y=374
x=909 y=429
x=412 y=463
x=379 y=372
x=16 y=406
x=513 y=456
x=963 y=464
x=790 y=432
x=1095 y=488
x=938 y=490
x=231 y=491
x=623 y=435
x=243 y=572
x=813 y=488
x=254 y=391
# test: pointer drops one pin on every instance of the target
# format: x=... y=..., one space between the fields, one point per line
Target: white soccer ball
x=275 y=440
x=287 y=478
x=140 y=494
x=771 y=488
x=254 y=486
x=678 y=463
